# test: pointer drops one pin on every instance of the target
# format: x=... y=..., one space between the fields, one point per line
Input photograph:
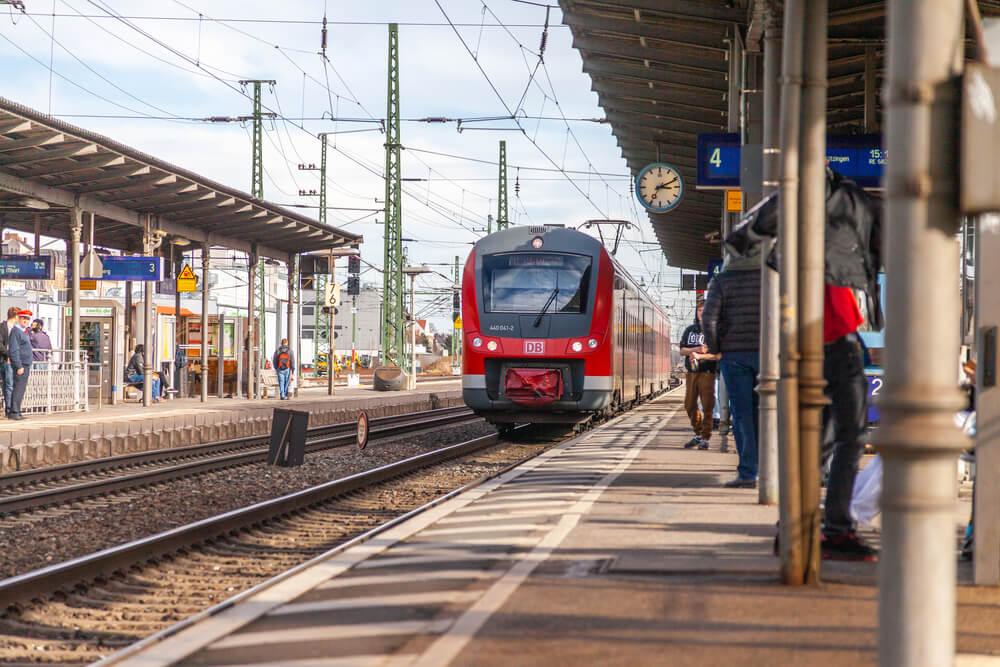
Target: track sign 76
x=333 y=294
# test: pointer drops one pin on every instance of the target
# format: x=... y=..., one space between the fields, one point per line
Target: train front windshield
x=527 y=282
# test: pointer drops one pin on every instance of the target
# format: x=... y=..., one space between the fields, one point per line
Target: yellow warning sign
x=186 y=280
x=734 y=201
x=458 y=322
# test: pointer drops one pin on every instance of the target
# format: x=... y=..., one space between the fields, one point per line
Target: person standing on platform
x=6 y=374
x=731 y=323
x=21 y=358
x=283 y=361
x=699 y=381
x=41 y=345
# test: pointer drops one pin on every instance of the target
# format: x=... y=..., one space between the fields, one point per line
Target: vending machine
x=101 y=329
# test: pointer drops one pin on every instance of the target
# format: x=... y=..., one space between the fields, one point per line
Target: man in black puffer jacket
x=731 y=323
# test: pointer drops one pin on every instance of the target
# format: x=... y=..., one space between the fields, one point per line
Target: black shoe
x=692 y=443
x=16 y=416
x=740 y=483
x=703 y=444
x=847 y=547
x=715 y=424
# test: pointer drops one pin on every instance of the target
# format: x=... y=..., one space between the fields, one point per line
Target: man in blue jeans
x=731 y=323
x=283 y=361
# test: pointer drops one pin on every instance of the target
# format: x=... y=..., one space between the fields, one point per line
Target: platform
x=46 y=440
x=618 y=548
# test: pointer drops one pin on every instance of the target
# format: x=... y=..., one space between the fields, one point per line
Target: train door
x=643 y=351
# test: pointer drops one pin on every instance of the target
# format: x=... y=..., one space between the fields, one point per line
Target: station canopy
x=661 y=71
x=47 y=167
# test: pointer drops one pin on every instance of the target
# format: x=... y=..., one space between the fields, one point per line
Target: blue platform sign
x=858 y=157
x=132 y=268
x=26 y=267
x=714 y=268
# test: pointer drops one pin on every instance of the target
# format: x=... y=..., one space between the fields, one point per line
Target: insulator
x=545 y=37
x=323 y=43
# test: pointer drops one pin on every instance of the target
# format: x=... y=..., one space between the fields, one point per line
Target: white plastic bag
x=867 y=492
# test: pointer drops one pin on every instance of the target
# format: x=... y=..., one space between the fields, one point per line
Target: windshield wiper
x=552 y=297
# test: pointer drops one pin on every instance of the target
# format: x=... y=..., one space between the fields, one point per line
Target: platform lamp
x=413 y=272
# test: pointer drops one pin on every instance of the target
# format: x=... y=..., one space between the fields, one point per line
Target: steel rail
x=70 y=574
x=49 y=474
x=65 y=494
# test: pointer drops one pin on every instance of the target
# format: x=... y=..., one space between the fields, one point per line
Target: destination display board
x=132 y=268
x=860 y=158
x=26 y=267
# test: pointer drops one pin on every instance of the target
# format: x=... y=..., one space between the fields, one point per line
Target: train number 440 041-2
x=534 y=347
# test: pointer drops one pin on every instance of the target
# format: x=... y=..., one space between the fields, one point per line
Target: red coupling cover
x=533 y=386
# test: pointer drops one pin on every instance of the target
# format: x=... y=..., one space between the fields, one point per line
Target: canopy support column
x=205 y=259
x=792 y=548
x=251 y=329
x=767 y=385
x=917 y=437
x=149 y=319
x=75 y=230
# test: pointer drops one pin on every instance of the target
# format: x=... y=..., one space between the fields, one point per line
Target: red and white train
x=555 y=330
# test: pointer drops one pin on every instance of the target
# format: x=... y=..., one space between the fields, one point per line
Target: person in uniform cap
x=21 y=357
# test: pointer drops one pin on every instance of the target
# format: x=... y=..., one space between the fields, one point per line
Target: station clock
x=659 y=187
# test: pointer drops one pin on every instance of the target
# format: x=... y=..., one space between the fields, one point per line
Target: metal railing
x=57 y=384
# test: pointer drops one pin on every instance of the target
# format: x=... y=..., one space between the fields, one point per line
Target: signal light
x=577 y=346
x=592 y=343
x=477 y=342
x=491 y=346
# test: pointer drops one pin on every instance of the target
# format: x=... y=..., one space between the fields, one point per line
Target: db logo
x=534 y=347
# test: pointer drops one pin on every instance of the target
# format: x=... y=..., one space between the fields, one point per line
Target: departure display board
x=132 y=268
x=26 y=267
x=860 y=158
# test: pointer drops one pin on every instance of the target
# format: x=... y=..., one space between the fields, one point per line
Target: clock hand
x=663 y=185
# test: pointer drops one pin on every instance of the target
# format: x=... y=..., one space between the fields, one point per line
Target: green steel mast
x=321 y=340
x=257 y=190
x=392 y=286
x=502 y=220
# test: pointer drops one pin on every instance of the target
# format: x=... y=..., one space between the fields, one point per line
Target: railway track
x=79 y=611
x=46 y=487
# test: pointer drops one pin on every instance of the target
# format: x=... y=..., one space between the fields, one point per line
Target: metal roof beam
x=641 y=73
x=700 y=102
x=641 y=112
x=699 y=98
x=98 y=161
x=45 y=139
x=707 y=61
x=154 y=184
x=35 y=155
x=675 y=34
x=119 y=184
x=637 y=123
x=187 y=194
x=694 y=9
x=114 y=173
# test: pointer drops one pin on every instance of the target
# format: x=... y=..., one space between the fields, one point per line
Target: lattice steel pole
x=392 y=309
x=502 y=221
x=257 y=190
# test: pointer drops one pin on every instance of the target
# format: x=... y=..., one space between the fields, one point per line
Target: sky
x=147 y=74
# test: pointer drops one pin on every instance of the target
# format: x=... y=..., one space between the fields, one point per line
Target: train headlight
x=477 y=342
x=536 y=242
x=592 y=343
x=491 y=346
x=577 y=346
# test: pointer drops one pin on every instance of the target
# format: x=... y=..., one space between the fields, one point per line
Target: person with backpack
x=283 y=361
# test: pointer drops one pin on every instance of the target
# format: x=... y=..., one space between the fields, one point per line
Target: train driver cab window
x=528 y=282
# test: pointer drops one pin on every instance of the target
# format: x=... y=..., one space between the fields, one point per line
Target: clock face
x=659 y=187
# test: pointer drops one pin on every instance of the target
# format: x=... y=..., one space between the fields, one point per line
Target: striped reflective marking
x=402 y=600
x=456 y=557
x=410 y=547
x=349 y=661
x=330 y=632
x=407 y=577
x=491 y=528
